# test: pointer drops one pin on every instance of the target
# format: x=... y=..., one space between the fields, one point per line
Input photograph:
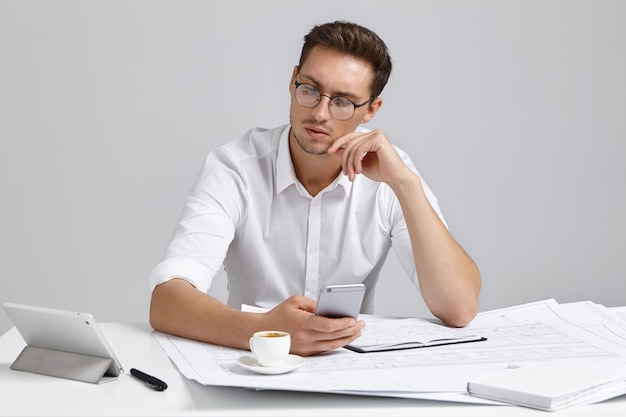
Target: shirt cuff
x=178 y=267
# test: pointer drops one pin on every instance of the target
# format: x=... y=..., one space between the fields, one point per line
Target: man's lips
x=316 y=132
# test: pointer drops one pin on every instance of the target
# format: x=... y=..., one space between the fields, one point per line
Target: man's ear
x=293 y=76
x=372 y=109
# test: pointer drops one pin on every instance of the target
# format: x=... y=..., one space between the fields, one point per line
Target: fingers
x=321 y=341
x=302 y=303
x=353 y=148
x=351 y=161
x=342 y=141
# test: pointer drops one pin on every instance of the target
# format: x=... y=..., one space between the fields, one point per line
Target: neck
x=315 y=172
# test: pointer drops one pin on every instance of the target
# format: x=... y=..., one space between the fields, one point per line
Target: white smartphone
x=343 y=300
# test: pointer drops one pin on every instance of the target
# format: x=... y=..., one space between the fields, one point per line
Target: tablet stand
x=62 y=364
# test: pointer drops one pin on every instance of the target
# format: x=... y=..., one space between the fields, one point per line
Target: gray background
x=514 y=112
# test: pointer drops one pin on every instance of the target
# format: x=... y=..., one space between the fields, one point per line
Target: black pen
x=152 y=382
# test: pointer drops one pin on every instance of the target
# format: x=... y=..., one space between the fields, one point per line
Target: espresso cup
x=271 y=347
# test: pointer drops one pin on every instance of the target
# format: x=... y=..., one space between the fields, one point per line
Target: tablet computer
x=62 y=330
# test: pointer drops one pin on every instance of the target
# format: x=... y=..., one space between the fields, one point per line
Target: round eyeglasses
x=341 y=108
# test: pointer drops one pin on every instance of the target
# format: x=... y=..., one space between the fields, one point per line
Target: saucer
x=250 y=363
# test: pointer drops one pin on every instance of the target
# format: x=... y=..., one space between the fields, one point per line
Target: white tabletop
x=24 y=393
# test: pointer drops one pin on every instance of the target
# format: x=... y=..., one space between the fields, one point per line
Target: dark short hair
x=355 y=40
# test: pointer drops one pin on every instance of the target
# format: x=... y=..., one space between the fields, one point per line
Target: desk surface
x=30 y=394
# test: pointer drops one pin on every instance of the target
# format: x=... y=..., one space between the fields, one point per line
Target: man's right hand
x=311 y=334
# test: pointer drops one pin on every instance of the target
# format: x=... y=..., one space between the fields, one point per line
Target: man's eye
x=310 y=91
x=342 y=102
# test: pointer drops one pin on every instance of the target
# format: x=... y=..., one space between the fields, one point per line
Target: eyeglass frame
x=330 y=99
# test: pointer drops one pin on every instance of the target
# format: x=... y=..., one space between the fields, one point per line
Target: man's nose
x=322 y=110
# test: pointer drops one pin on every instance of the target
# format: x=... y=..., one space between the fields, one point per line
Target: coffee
x=271 y=347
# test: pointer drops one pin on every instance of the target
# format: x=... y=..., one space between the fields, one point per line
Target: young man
x=319 y=201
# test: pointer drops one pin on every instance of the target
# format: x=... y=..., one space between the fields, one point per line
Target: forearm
x=449 y=279
x=180 y=309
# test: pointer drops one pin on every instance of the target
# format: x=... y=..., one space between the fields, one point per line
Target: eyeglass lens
x=309 y=96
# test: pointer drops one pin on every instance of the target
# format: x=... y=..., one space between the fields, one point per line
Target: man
x=319 y=201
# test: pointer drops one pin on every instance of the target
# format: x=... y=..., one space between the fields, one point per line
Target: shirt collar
x=285 y=172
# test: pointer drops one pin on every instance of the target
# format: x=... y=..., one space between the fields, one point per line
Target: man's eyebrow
x=346 y=94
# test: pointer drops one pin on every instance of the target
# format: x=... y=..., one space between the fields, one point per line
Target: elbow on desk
x=459 y=316
x=166 y=304
x=158 y=316
x=156 y=320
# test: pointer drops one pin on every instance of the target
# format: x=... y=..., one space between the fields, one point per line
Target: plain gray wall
x=513 y=111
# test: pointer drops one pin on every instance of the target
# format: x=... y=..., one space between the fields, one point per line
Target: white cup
x=271 y=347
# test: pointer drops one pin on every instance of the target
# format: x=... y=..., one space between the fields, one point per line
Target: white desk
x=23 y=393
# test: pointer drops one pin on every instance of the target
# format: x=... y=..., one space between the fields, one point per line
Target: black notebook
x=408 y=333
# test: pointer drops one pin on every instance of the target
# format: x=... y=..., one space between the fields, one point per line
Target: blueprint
x=585 y=334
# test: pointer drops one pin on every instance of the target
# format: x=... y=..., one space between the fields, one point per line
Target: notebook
x=408 y=333
x=550 y=386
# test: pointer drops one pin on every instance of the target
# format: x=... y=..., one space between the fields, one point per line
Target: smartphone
x=337 y=301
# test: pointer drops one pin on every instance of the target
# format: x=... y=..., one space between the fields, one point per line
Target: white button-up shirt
x=248 y=212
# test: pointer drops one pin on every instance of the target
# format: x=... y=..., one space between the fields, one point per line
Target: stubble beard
x=308 y=148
